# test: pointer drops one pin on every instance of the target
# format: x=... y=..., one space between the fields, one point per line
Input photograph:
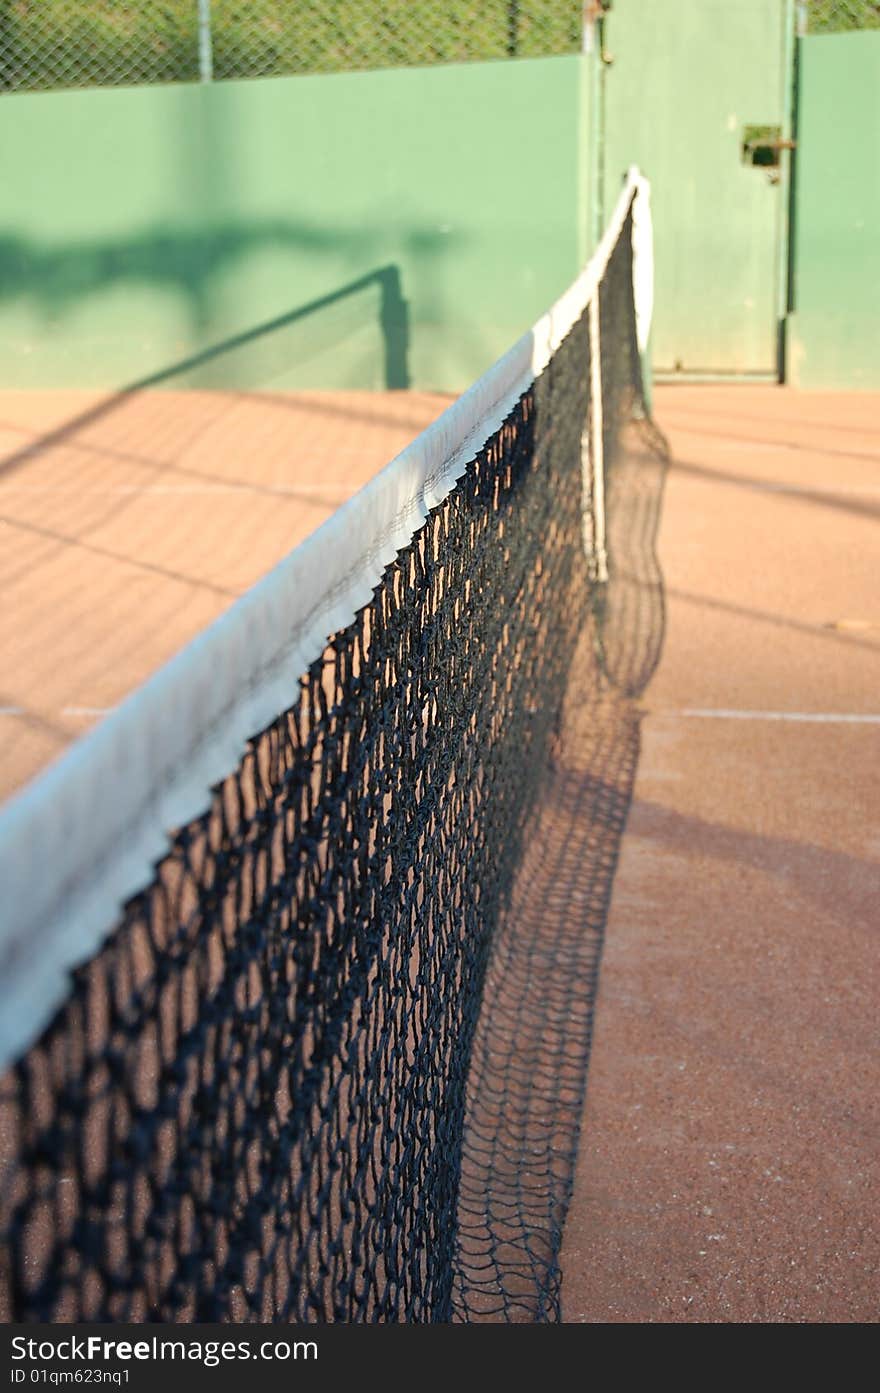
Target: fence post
x=592 y=42
x=793 y=18
x=206 y=55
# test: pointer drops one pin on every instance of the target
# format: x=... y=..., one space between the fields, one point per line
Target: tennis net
x=249 y=1062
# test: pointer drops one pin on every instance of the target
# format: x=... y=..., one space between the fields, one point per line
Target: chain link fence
x=47 y=44
x=836 y=16
x=77 y=43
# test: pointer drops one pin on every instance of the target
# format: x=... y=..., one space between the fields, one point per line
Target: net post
x=594 y=444
x=643 y=279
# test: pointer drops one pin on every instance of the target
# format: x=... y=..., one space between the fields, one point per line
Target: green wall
x=834 y=335
x=684 y=78
x=359 y=230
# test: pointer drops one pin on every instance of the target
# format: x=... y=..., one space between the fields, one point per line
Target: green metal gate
x=698 y=94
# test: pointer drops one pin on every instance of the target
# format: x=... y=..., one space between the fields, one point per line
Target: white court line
x=866 y=456
x=797 y=490
x=839 y=490
x=716 y=713
x=128 y=490
x=64 y=710
x=806 y=717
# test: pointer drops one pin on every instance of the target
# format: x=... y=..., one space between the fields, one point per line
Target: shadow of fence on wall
x=204 y=368
x=393 y=324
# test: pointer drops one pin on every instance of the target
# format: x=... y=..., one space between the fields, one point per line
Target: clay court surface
x=730 y=1166
x=128 y=523
x=729 y=1161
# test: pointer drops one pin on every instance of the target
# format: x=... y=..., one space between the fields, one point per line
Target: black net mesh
x=282 y=1090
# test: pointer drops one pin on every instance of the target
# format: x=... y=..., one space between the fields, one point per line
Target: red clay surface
x=729 y=1162
x=128 y=523
x=730 y=1158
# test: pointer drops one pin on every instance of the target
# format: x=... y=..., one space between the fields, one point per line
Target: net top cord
x=96 y=822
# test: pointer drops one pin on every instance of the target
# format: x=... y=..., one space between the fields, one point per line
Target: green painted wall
x=685 y=77
x=141 y=227
x=834 y=335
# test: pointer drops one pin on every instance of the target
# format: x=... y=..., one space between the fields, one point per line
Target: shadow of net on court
x=528 y=1076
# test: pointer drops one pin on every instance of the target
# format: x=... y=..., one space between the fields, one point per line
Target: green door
x=694 y=92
